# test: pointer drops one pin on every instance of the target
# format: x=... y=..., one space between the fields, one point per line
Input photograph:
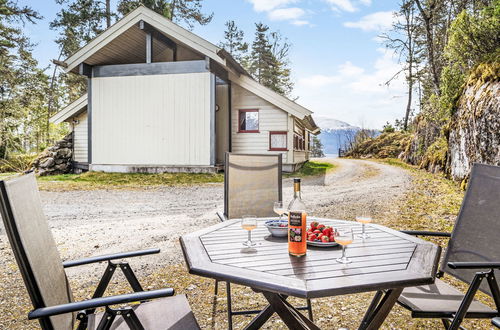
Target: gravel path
x=87 y=223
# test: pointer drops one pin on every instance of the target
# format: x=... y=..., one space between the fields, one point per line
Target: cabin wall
x=271 y=118
x=222 y=122
x=156 y=120
x=80 y=138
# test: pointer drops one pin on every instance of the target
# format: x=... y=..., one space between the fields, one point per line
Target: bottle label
x=296 y=219
x=295 y=234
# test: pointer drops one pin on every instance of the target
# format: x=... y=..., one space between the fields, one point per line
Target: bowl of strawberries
x=320 y=235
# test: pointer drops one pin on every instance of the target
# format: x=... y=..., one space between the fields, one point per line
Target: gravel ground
x=87 y=223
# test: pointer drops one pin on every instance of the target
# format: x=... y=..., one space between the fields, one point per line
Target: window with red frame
x=299 y=142
x=248 y=121
x=277 y=141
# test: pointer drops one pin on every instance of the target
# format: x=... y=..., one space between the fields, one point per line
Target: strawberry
x=312 y=237
x=325 y=239
x=317 y=231
x=314 y=224
x=332 y=238
x=320 y=236
x=320 y=227
x=327 y=231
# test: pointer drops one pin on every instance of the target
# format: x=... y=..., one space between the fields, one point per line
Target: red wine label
x=296 y=219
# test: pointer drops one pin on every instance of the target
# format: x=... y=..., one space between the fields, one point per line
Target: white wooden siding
x=151 y=120
x=80 y=138
x=270 y=119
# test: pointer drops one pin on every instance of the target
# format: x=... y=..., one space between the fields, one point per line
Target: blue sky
x=338 y=64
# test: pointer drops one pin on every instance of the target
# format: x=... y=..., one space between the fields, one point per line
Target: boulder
x=475 y=133
x=48 y=162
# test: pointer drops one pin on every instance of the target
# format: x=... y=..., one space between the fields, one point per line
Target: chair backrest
x=475 y=236
x=252 y=183
x=34 y=248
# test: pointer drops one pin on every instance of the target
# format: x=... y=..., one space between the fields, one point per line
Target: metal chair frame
x=224 y=217
x=87 y=307
x=485 y=270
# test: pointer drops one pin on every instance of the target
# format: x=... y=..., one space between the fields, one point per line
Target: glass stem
x=343 y=252
x=363 y=228
x=249 y=236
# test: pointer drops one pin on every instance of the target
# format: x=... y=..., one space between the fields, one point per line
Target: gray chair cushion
x=171 y=313
x=34 y=247
x=440 y=300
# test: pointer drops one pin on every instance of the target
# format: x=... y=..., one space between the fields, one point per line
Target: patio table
x=386 y=262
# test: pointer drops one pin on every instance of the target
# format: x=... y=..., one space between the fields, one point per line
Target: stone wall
x=56 y=159
x=475 y=132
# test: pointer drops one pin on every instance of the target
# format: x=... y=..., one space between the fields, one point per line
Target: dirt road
x=88 y=223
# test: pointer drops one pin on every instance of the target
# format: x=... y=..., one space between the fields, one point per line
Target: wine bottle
x=297 y=244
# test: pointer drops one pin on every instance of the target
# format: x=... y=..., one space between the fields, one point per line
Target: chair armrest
x=426 y=233
x=91 y=260
x=222 y=216
x=474 y=265
x=99 y=302
x=496 y=322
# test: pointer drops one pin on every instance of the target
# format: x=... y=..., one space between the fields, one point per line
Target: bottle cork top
x=296 y=180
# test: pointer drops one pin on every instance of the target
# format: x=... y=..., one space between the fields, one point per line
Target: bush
x=17 y=163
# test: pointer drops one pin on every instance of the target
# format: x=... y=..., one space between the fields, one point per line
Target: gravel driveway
x=87 y=223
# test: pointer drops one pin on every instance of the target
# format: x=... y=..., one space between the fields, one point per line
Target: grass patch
x=6 y=175
x=101 y=180
x=312 y=168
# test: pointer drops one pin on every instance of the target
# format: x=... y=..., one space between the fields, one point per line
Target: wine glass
x=364 y=218
x=345 y=237
x=249 y=223
x=279 y=208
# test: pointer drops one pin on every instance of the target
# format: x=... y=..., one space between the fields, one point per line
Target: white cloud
x=345 y=5
x=353 y=94
x=284 y=14
x=379 y=21
x=348 y=69
x=319 y=80
x=268 y=5
x=366 y=2
x=300 y=22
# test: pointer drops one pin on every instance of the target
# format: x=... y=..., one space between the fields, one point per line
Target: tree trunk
x=430 y=43
x=108 y=13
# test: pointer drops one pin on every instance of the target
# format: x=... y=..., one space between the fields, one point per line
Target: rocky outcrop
x=55 y=159
x=475 y=130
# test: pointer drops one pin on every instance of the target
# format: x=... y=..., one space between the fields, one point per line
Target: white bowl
x=275 y=229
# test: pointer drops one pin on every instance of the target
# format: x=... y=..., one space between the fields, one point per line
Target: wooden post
x=149 y=47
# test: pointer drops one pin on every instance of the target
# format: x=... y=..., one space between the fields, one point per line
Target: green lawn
x=312 y=168
x=6 y=175
x=101 y=180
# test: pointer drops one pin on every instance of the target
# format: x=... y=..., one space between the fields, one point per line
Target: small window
x=248 y=121
x=277 y=141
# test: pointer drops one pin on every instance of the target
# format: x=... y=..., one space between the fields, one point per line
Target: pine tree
x=186 y=12
x=233 y=41
x=268 y=61
x=317 y=147
x=23 y=86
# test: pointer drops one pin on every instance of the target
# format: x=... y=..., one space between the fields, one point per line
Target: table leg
x=290 y=316
x=379 y=309
x=261 y=318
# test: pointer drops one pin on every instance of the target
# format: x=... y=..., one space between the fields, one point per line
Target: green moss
x=386 y=145
x=312 y=169
x=436 y=154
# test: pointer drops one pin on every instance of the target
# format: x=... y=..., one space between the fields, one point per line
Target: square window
x=249 y=121
x=277 y=141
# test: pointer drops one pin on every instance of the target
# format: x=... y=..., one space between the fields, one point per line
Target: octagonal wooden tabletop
x=387 y=260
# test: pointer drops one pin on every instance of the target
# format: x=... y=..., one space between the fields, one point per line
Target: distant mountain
x=334 y=134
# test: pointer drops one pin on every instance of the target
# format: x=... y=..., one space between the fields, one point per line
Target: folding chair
x=252 y=183
x=45 y=279
x=472 y=255
x=496 y=322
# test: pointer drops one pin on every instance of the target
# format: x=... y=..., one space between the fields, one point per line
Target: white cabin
x=162 y=99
